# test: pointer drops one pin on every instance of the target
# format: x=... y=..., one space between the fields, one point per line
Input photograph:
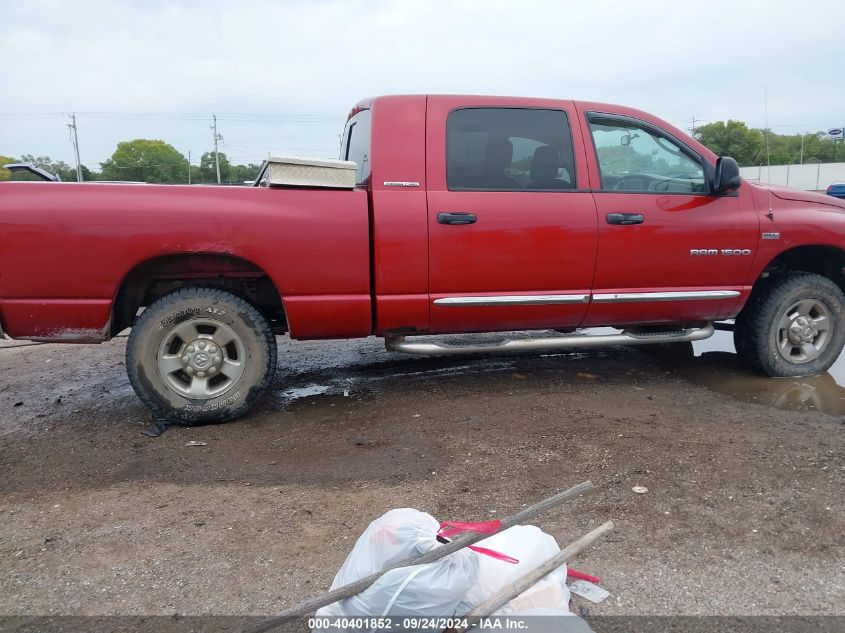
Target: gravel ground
x=743 y=514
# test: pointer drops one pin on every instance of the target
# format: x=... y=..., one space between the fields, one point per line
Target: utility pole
x=801 y=160
x=693 y=126
x=75 y=140
x=217 y=137
x=189 y=167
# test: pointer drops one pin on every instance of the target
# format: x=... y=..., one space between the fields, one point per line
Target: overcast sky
x=282 y=76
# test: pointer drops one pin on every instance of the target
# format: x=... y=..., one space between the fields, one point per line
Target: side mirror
x=726 y=178
x=627 y=139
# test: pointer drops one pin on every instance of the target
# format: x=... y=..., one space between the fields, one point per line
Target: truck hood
x=799 y=195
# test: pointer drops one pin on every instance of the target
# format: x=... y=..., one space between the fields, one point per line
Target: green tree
x=817 y=148
x=87 y=174
x=244 y=173
x=208 y=168
x=5 y=174
x=748 y=146
x=64 y=171
x=787 y=148
x=146 y=160
x=58 y=167
x=733 y=138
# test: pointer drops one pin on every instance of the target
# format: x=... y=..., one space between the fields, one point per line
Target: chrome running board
x=400 y=344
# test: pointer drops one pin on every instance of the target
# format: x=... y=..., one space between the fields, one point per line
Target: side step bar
x=399 y=344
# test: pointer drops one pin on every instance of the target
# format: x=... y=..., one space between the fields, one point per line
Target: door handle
x=625 y=218
x=456 y=217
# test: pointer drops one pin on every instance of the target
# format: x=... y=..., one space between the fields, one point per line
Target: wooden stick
x=528 y=580
x=311 y=605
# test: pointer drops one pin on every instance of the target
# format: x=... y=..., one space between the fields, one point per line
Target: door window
x=509 y=149
x=635 y=158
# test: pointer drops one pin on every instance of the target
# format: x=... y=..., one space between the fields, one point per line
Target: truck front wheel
x=200 y=355
x=793 y=325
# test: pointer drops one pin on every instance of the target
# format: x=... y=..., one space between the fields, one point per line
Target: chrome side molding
x=675 y=295
x=612 y=297
x=576 y=341
x=512 y=300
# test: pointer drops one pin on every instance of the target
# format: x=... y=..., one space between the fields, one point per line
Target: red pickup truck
x=471 y=214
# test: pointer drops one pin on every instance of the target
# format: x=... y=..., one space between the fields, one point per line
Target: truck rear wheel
x=200 y=355
x=793 y=325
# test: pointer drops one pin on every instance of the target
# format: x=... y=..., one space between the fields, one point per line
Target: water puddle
x=366 y=379
x=362 y=373
x=714 y=364
x=297 y=393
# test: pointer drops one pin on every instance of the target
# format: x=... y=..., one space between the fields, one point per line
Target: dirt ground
x=743 y=514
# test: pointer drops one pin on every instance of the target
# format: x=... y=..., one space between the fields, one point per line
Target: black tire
x=220 y=380
x=762 y=341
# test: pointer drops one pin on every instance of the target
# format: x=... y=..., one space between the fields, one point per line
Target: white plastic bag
x=549 y=593
x=434 y=589
x=393 y=537
x=532 y=547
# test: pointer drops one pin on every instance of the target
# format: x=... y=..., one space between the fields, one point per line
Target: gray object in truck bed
x=282 y=171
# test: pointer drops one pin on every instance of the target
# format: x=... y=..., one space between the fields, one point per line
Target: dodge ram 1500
x=470 y=214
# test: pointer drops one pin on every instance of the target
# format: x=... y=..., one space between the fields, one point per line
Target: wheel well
x=828 y=261
x=156 y=277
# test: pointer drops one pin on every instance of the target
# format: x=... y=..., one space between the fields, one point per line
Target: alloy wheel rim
x=804 y=331
x=201 y=359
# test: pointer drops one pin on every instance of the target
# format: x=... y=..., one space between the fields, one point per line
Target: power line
x=180 y=116
x=267 y=147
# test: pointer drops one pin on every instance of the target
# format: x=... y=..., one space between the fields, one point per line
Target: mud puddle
x=713 y=363
x=363 y=371
x=368 y=375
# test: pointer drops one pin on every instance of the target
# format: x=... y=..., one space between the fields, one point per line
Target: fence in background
x=809 y=176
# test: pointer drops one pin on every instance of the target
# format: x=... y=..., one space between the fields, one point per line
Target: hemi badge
x=400 y=183
x=771 y=236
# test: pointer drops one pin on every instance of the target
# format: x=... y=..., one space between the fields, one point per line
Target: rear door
x=512 y=224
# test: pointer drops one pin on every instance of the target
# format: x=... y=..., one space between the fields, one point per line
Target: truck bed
x=66 y=248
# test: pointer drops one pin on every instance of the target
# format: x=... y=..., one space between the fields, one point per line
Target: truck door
x=512 y=224
x=668 y=250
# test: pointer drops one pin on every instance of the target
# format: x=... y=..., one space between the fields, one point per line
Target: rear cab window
x=355 y=145
x=509 y=149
